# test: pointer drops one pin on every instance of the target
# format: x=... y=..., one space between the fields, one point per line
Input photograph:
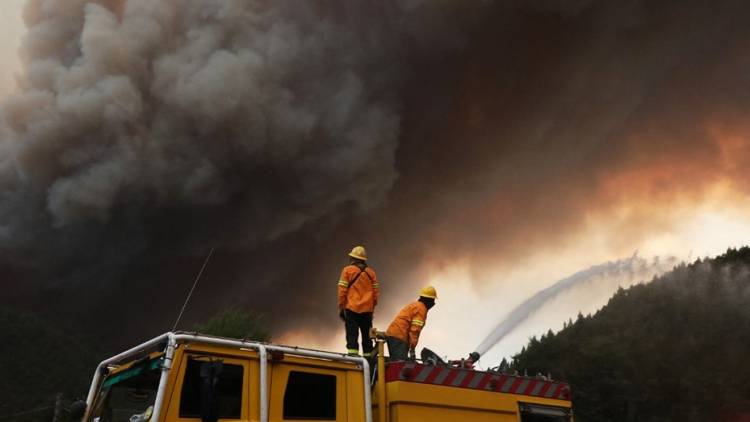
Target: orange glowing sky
x=473 y=302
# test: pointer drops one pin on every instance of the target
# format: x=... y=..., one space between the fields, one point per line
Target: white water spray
x=624 y=272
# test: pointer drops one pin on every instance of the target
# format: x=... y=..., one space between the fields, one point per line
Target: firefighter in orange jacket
x=403 y=333
x=358 y=296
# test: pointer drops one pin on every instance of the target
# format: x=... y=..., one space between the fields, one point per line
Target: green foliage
x=671 y=350
x=38 y=361
x=236 y=323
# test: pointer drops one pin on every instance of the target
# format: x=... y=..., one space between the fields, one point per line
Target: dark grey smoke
x=623 y=272
x=145 y=132
x=264 y=112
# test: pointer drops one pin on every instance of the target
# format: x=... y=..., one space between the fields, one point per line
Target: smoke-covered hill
x=675 y=349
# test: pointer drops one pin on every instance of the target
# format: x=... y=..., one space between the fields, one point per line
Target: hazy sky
x=467 y=311
x=12 y=24
x=489 y=150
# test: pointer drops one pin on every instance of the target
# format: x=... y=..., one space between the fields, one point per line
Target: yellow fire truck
x=193 y=377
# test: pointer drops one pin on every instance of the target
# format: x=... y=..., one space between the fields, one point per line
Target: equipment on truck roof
x=431 y=358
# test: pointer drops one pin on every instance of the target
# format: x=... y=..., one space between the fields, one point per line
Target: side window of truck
x=227 y=391
x=310 y=396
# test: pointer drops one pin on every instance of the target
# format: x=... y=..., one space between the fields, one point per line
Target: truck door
x=307 y=393
x=229 y=396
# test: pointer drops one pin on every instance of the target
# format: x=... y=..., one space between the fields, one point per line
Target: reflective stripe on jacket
x=362 y=296
x=409 y=323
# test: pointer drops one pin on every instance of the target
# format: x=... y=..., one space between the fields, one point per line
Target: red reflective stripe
x=558 y=391
x=467 y=379
x=544 y=389
x=484 y=381
x=515 y=385
x=530 y=387
x=491 y=384
x=393 y=371
x=414 y=372
x=449 y=379
x=435 y=372
x=501 y=382
x=427 y=371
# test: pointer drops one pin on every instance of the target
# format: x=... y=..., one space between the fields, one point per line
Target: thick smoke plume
x=145 y=132
x=624 y=273
x=261 y=114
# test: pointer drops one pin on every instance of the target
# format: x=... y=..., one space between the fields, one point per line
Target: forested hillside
x=37 y=362
x=675 y=349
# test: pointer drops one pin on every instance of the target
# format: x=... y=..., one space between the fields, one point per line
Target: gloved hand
x=342 y=314
x=412 y=354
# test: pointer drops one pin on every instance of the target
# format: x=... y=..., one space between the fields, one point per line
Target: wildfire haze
x=490 y=148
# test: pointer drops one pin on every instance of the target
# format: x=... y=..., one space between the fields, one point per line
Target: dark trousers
x=357 y=324
x=397 y=349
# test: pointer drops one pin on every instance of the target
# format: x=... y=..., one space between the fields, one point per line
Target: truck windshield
x=129 y=393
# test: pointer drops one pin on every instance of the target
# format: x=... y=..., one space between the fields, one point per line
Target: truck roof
x=405 y=371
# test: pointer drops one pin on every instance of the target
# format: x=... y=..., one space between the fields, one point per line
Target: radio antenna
x=195 y=283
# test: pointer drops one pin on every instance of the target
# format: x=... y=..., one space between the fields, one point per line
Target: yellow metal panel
x=251 y=353
x=355 y=399
x=254 y=391
x=172 y=381
x=350 y=400
x=174 y=391
x=280 y=376
x=219 y=350
x=415 y=412
x=454 y=397
x=407 y=401
x=315 y=362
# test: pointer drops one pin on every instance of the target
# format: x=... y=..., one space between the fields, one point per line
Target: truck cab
x=194 y=377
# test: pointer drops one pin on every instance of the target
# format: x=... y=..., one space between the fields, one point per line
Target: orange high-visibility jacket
x=362 y=296
x=409 y=323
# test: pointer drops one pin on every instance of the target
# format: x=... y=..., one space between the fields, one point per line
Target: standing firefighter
x=358 y=296
x=403 y=333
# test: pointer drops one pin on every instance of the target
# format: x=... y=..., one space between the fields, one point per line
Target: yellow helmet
x=428 y=291
x=359 y=252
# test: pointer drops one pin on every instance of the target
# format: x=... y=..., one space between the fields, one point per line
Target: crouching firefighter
x=358 y=296
x=403 y=333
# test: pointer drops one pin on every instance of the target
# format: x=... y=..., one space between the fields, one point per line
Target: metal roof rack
x=169 y=341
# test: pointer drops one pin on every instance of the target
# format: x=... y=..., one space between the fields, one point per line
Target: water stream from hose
x=624 y=272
